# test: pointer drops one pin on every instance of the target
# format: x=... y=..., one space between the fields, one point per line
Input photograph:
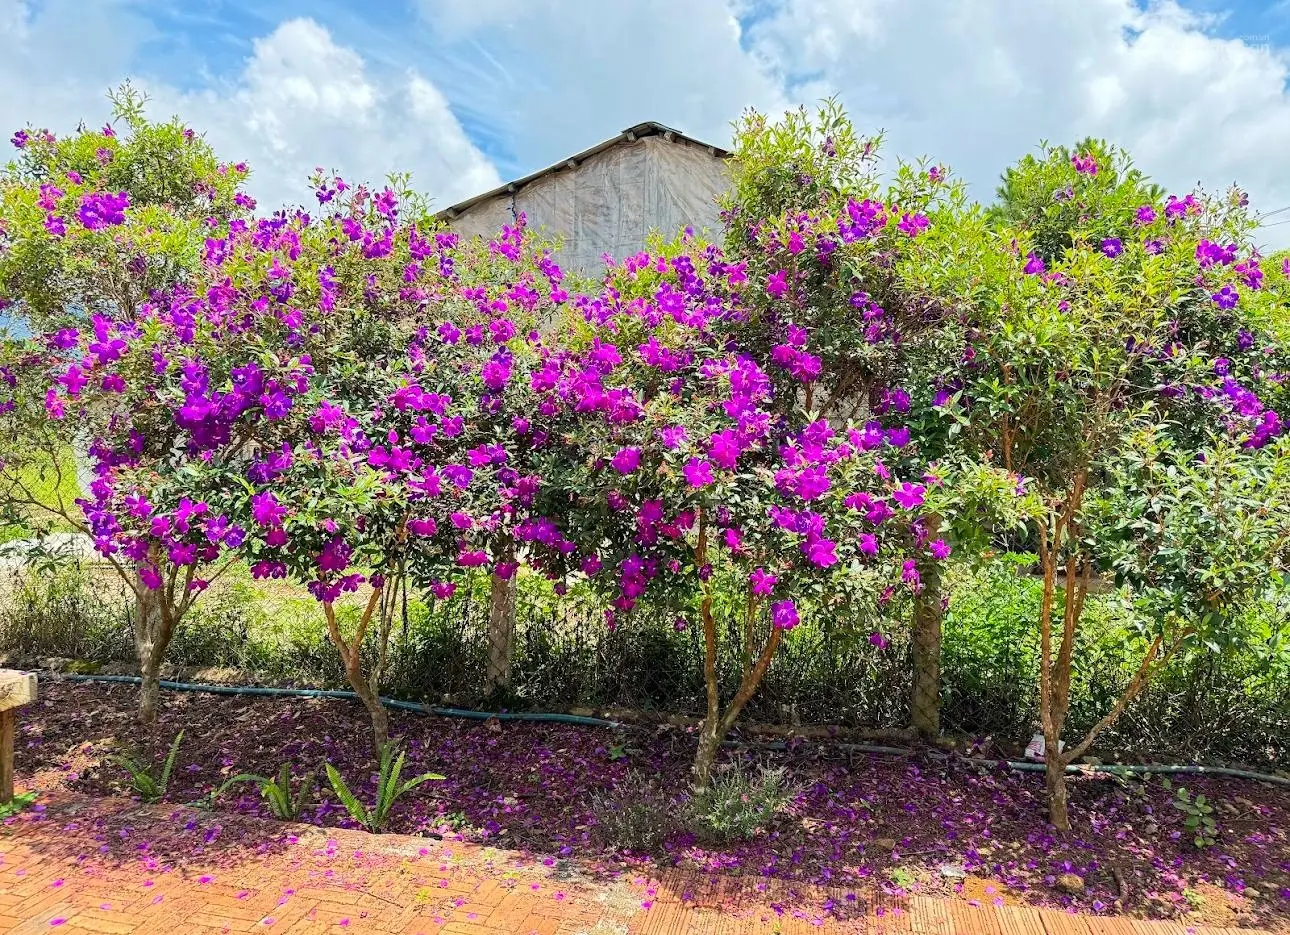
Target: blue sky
x=465 y=93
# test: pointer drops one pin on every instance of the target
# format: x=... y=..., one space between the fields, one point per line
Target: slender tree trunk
x=501 y=632
x=153 y=630
x=1055 y=779
x=149 y=692
x=380 y=719
x=705 y=757
x=717 y=723
x=709 y=742
x=367 y=689
x=925 y=700
x=1058 y=540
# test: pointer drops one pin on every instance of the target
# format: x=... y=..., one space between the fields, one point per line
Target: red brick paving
x=112 y=867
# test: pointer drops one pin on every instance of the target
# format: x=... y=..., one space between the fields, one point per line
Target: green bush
x=739 y=804
x=636 y=815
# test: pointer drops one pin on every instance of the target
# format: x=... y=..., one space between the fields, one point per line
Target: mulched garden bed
x=900 y=824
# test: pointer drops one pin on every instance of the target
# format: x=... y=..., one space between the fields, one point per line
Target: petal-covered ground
x=928 y=825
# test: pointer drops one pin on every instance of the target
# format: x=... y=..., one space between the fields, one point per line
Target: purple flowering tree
x=100 y=237
x=860 y=323
x=703 y=488
x=406 y=451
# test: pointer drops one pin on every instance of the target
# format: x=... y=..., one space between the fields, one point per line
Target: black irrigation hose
x=584 y=721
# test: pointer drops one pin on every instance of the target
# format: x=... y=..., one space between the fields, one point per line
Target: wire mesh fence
x=560 y=655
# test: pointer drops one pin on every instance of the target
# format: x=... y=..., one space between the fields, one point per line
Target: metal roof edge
x=648 y=128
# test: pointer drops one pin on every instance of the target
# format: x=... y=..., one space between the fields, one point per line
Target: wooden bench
x=16 y=689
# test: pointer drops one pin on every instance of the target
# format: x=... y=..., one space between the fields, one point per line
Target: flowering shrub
x=1117 y=317
x=700 y=472
x=93 y=228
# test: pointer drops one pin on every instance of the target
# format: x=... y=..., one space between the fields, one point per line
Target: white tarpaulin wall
x=611 y=201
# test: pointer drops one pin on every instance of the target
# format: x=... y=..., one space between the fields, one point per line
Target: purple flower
x=811 y=483
x=762 y=583
x=673 y=436
x=724 y=449
x=1226 y=298
x=783 y=615
x=1222 y=367
x=1112 y=247
x=102 y=209
x=1034 y=265
x=1084 y=164
x=909 y=496
x=777 y=285
x=626 y=460
x=1146 y=215
x=877 y=639
x=912 y=225
x=334 y=556
x=698 y=473
x=940 y=549
x=496 y=372
x=821 y=552
x=909 y=574
x=868 y=543
x=265 y=509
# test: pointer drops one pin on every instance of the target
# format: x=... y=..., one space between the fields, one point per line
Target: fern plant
x=149 y=786
x=388 y=790
x=276 y=791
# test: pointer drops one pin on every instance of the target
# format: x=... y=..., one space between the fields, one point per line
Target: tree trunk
x=925 y=700
x=149 y=692
x=380 y=723
x=501 y=632
x=706 y=755
x=1055 y=776
x=351 y=656
x=153 y=628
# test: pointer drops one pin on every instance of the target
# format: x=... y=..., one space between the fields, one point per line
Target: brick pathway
x=83 y=865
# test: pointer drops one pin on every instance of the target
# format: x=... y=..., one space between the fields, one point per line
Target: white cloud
x=554 y=76
x=56 y=66
x=974 y=83
x=301 y=100
x=980 y=82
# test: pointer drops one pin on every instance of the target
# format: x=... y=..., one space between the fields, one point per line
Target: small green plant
x=1200 y=821
x=17 y=804
x=388 y=790
x=277 y=792
x=150 y=787
x=738 y=805
x=635 y=815
x=459 y=822
x=900 y=877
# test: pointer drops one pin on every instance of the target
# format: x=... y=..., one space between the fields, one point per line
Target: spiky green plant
x=388 y=790
x=150 y=787
x=276 y=791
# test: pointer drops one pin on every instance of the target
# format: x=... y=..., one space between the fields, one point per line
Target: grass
x=47 y=485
